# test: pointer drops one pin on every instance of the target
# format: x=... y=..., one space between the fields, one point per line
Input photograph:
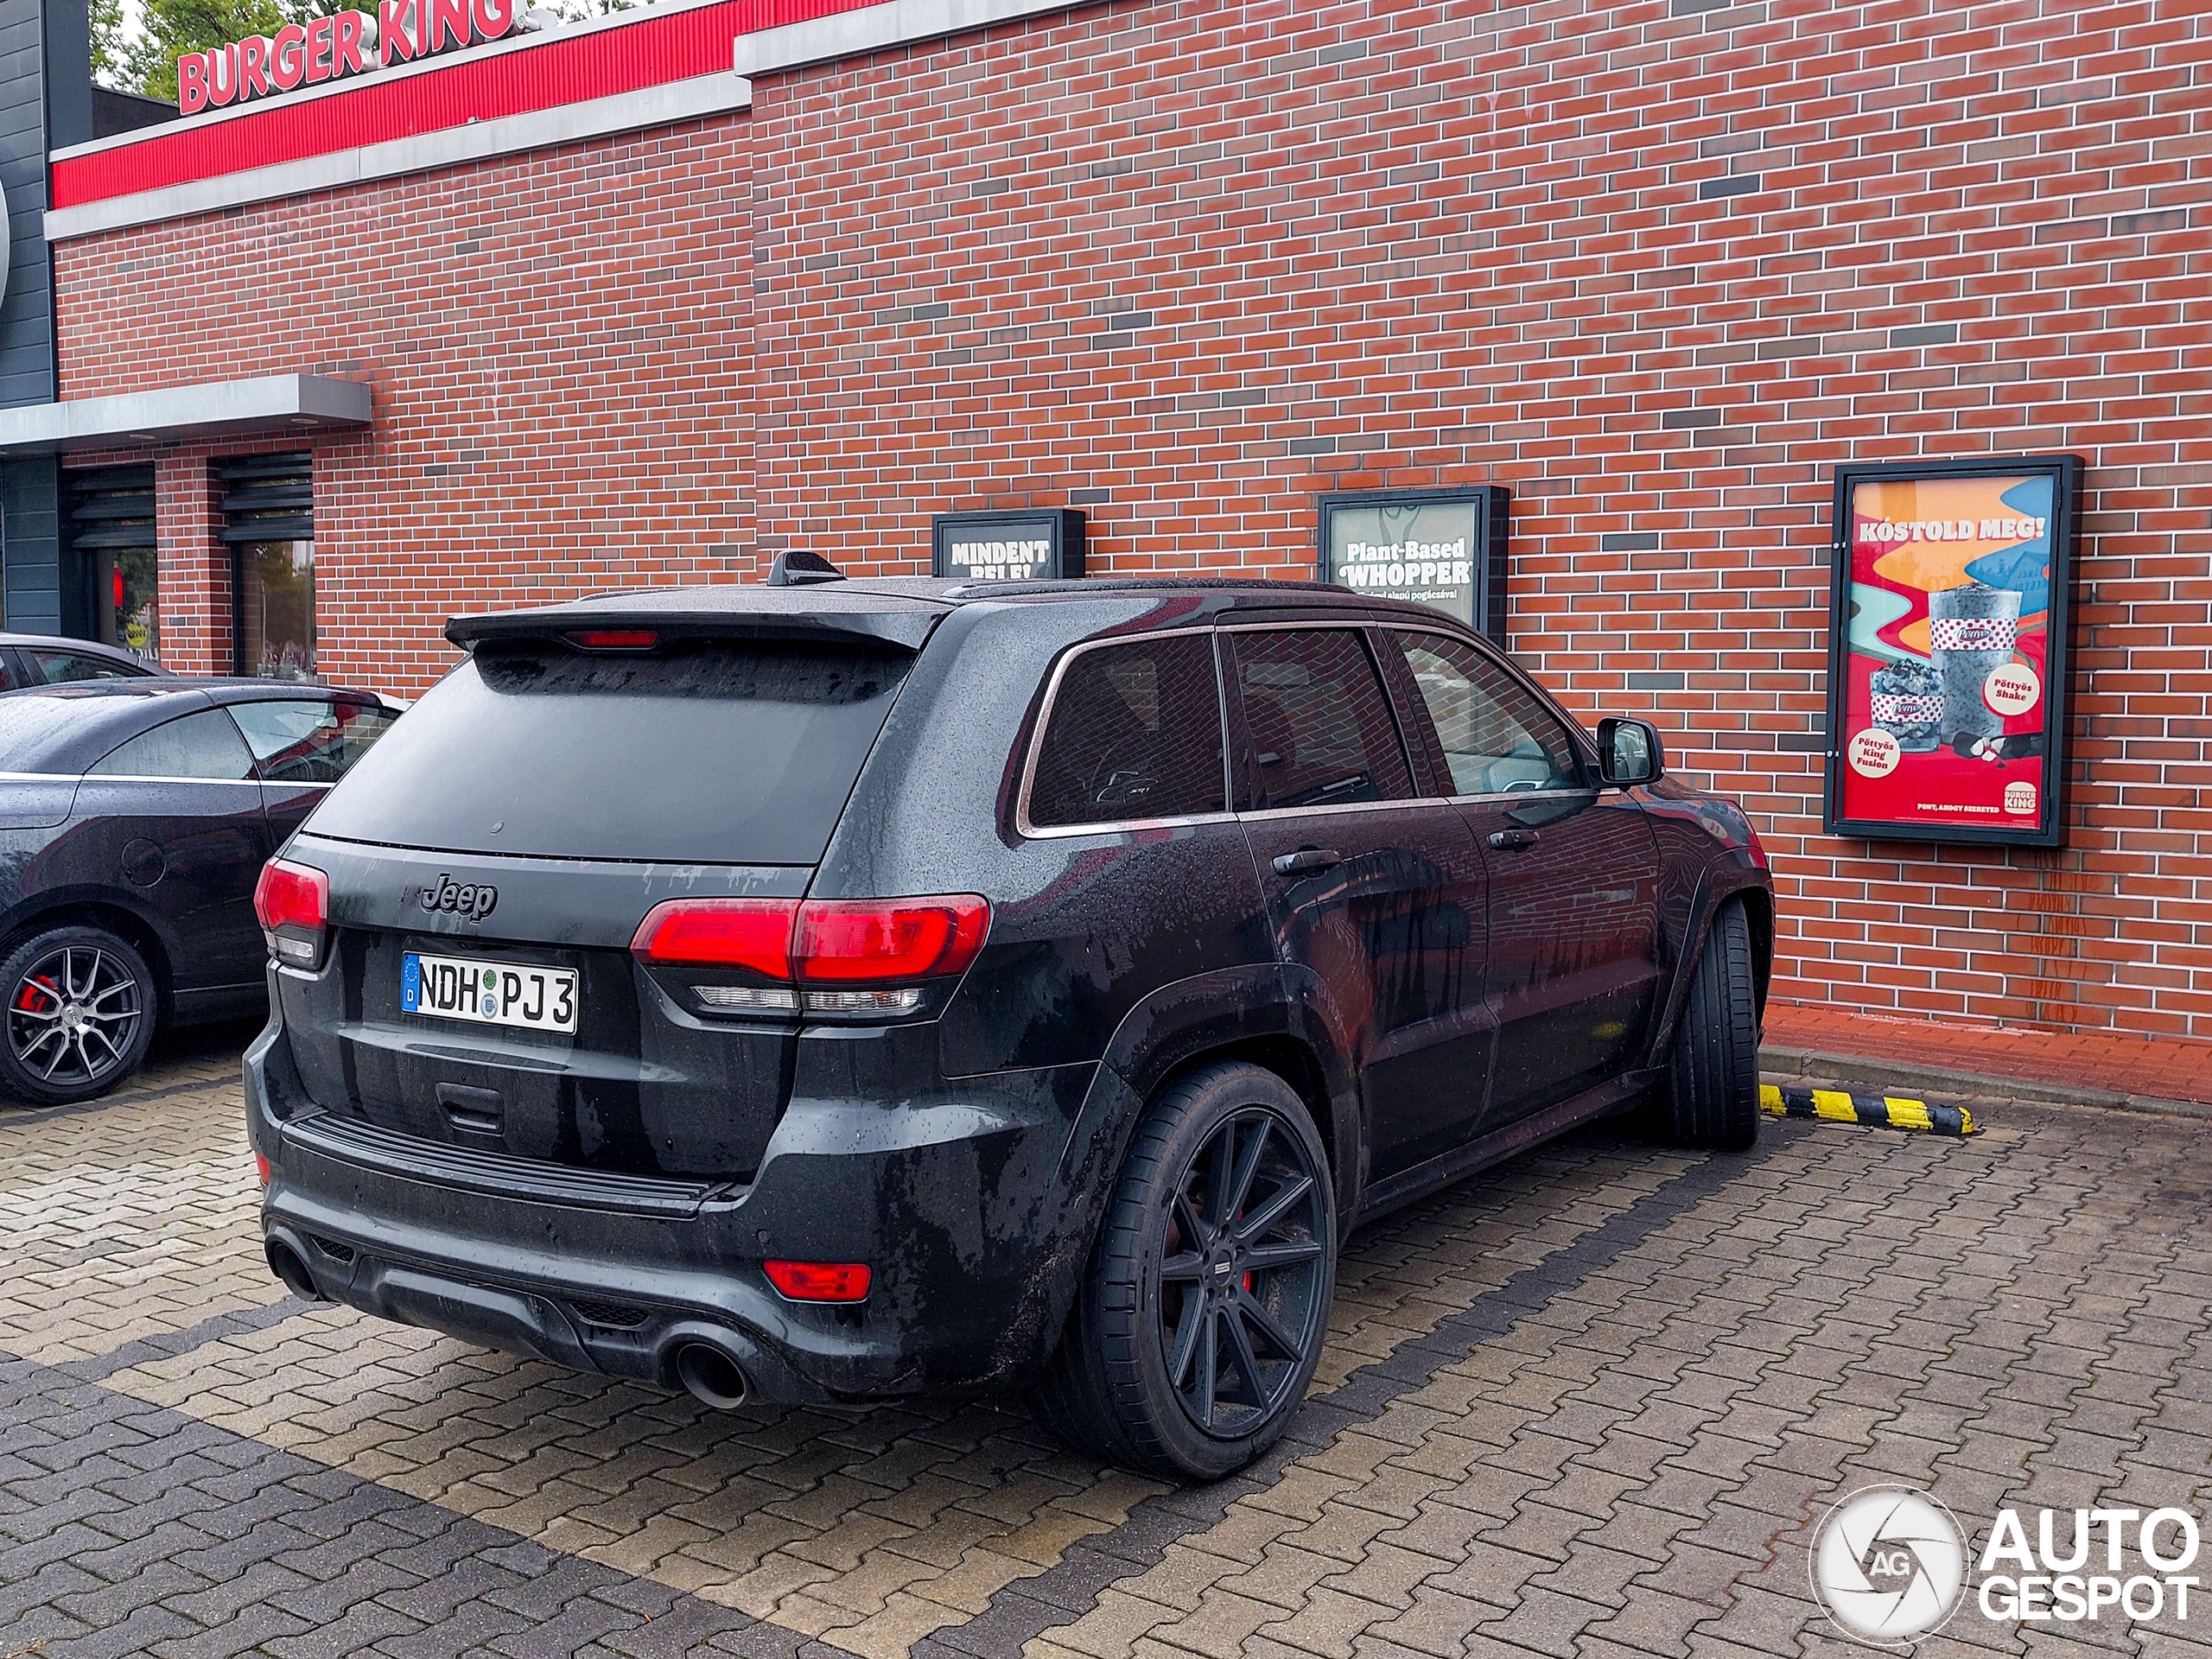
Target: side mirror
x=1629 y=753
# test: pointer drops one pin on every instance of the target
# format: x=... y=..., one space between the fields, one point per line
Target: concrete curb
x=1876 y=1111
x=1894 y=1074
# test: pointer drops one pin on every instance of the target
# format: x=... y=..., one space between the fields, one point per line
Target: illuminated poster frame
x=1446 y=548
x=1020 y=544
x=1950 y=605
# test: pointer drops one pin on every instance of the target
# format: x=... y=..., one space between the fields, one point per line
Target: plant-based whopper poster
x=1444 y=549
x=1948 y=668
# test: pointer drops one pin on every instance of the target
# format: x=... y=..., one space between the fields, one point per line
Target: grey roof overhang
x=301 y=404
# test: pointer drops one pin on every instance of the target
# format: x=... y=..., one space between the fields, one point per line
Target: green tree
x=109 y=43
x=175 y=27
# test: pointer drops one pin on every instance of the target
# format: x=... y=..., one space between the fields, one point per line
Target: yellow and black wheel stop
x=1878 y=1111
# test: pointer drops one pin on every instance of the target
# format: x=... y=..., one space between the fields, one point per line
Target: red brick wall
x=1658 y=266
x=557 y=346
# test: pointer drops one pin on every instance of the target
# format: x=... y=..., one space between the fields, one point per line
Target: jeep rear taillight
x=293 y=902
x=881 y=941
x=750 y=933
x=861 y=946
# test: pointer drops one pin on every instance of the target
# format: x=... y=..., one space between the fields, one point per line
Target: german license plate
x=489 y=993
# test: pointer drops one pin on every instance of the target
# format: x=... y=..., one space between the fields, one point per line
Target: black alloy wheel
x=81 y=1014
x=1203 y=1312
x=1240 y=1285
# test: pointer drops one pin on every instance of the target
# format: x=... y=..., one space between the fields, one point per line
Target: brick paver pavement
x=1592 y=1402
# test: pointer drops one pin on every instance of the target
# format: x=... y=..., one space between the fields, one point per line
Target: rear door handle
x=1308 y=860
x=1512 y=841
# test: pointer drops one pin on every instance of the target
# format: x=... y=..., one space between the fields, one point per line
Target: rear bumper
x=959 y=1198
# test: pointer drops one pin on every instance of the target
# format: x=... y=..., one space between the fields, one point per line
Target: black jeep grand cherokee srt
x=833 y=991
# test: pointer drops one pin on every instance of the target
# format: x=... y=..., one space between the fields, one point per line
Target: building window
x=268 y=507
x=111 y=528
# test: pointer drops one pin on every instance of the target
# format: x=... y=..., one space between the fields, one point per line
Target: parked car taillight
x=293 y=902
x=873 y=950
x=1758 y=848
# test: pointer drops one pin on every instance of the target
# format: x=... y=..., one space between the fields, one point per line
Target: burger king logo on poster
x=2020 y=798
x=1874 y=753
x=2013 y=690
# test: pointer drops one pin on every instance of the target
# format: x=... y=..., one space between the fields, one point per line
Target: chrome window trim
x=41 y=776
x=1419 y=800
x=1030 y=831
x=1261 y=815
x=164 y=777
x=1120 y=826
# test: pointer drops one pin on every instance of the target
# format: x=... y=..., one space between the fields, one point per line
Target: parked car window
x=62 y=667
x=204 y=745
x=308 y=742
x=1496 y=739
x=1134 y=733
x=1320 y=726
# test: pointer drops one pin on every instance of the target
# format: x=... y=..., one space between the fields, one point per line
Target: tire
x=79 y=1014
x=1166 y=1295
x=1712 y=1096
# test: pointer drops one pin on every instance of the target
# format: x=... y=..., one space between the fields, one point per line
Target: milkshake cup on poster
x=1908 y=696
x=1970 y=632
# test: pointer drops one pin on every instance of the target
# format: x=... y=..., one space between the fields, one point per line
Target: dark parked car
x=28 y=659
x=135 y=816
x=831 y=992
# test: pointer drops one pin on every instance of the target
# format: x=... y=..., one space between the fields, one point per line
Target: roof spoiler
x=902 y=629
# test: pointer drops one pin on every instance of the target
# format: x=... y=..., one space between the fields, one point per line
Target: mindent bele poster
x=1947 y=649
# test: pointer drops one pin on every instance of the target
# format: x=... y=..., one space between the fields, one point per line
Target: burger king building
x=1575 y=311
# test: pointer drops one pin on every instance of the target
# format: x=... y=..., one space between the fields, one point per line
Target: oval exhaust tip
x=710 y=1375
x=288 y=1266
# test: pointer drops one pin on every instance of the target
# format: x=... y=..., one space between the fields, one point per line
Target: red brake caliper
x=27 y=999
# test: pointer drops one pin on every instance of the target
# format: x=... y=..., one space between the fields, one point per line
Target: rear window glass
x=738 y=753
x=1135 y=733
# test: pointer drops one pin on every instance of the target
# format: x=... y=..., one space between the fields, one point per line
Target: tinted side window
x=307 y=742
x=60 y=667
x=204 y=745
x=1496 y=739
x=1320 y=726
x=1135 y=732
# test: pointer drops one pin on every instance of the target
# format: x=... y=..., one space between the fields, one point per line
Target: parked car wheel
x=1713 y=1077
x=1206 y=1302
x=81 y=1013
